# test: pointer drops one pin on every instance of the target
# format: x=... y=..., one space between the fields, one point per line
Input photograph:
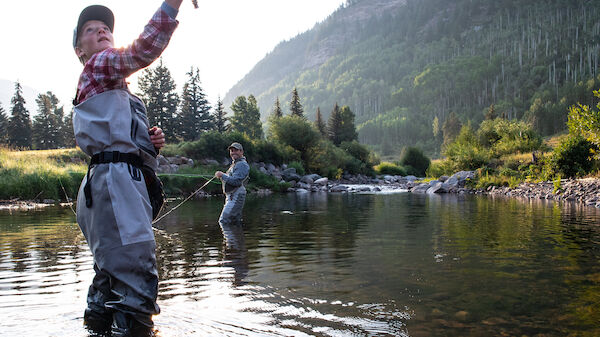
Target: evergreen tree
x=19 y=124
x=320 y=123
x=47 y=123
x=246 y=117
x=194 y=114
x=68 y=135
x=451 y=128
x=158 y=92
x=347 y=132
x=3 y=126
x=295 y=105
x=334 y=125
x=219 y=117
x=277 y=113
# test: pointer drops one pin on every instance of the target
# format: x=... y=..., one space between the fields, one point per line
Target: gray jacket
x=236 y=176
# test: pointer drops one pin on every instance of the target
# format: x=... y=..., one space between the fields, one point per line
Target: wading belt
x=105 y=158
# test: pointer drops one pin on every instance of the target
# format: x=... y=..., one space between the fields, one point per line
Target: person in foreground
x=116 y=199
x=234 y=182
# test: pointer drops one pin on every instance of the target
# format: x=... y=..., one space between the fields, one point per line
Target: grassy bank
x=29 y=175
x=39 y=175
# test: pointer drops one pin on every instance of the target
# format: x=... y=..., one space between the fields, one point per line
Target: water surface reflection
x=329 y=265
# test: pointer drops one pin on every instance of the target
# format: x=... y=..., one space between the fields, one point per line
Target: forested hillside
x=409 y=69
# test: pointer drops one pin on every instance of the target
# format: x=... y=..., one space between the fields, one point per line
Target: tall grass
x=41 y=174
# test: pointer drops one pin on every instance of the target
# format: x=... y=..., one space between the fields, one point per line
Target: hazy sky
x=223 y=38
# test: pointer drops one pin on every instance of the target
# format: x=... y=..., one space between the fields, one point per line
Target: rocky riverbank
x=585 y=191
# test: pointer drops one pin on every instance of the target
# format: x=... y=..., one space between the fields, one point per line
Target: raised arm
x=174 y=3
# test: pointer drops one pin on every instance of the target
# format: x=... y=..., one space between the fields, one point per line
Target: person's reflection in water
x=236 y=254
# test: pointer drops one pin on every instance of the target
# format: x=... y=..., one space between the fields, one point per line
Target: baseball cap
x=94 y=12
x=236 y=145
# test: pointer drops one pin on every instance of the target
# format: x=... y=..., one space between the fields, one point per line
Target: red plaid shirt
x=108 y=69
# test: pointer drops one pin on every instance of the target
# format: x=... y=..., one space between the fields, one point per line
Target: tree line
x=183 y=117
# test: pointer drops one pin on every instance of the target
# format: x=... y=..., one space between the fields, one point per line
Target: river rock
x=162 y=160
x=303 y=185
x=434 y=187
x=307 y=180
x=271 y=168
x=339 y=188
x=290 y=174
x=420 y=188
x=322 y=181
x=451 y=182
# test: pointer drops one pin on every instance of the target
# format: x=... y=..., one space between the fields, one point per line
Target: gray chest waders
x=114 y=210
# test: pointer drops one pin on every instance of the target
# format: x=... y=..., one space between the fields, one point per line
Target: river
x=317 y=264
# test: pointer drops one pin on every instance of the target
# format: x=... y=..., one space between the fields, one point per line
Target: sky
x=223 y=38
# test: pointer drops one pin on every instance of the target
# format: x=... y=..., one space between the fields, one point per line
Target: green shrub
x=294 y=131
x=298 y=166
x=390 y=168
x=415 y=162
x=268 y=152
x=362 y=161
x=504 y=136
x=573 y=157
x=327 y=159
x=211 y=144
x=439 y=168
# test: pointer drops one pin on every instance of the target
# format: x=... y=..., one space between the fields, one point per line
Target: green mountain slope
x=402 y=64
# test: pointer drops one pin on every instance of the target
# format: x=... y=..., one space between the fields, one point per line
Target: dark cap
x=94 y=12
x=236 y=145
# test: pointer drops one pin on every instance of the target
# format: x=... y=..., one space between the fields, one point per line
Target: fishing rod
x=181 y=203
x=165 y=214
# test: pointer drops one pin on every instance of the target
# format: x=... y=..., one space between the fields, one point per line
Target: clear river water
x=329 y=265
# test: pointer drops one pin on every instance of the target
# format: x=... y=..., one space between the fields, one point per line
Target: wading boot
x=124 y=325
x=97 y=323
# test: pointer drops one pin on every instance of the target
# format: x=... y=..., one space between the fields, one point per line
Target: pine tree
x=347 y=132
x=295 y=105
x=19 y=124
x=277 y=113
x=47 y=123
x=68 y=135
x=219 y=117
x=334 y=125
x=158 y=92
x=320 y=124
x=194 y=113
x=3 y=126
x=246 y=117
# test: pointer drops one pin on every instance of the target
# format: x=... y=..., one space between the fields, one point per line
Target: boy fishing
x=120 y=193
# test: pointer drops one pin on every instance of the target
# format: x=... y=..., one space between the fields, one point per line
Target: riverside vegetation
x=500 y=153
